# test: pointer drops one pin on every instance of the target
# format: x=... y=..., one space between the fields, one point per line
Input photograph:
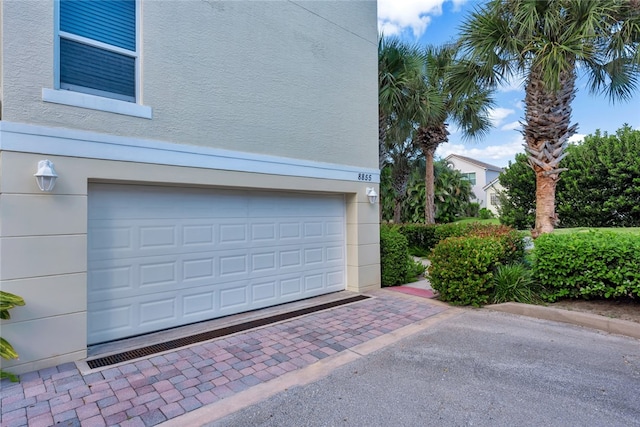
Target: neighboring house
x=478 y=173
x=212 y=158
x=492 y=193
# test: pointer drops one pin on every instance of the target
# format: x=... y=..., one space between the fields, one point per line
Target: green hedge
x=420 y=237
x=462 y=266
x=394 y=257
x=462 y=269
x=424 y=237
x=587 y=264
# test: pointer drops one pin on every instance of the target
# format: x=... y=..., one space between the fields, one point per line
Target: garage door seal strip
x=209 y=335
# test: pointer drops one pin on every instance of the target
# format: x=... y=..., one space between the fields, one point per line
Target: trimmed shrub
x=485 y=213
x=453 y=229
x=473 y=209
x=394 y=257
x=511 y=238
x=587 y=264
x=420 y=237
x=462 y=269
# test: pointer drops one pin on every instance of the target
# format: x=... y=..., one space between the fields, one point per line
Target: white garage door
x=162 y=257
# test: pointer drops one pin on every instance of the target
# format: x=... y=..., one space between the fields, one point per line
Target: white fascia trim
x=26 y=138
x=93 y=102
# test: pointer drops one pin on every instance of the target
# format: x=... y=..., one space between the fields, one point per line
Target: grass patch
x=620 y=230
x=495 y=221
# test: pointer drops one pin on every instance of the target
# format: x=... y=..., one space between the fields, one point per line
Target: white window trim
x=94 y=101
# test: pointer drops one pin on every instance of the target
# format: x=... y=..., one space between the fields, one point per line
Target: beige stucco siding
x=288 y=79
x=260 y=95
x=43 y=240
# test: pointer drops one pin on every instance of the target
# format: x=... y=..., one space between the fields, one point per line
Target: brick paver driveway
x=155 y=389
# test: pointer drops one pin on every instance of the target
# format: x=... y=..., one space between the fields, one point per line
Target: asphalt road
x=480 y=368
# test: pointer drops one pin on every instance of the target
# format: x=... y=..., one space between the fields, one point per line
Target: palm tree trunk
x=429 y=184
x=546 y=217
x=397 y=211
x=546 y=130
x=382 y=136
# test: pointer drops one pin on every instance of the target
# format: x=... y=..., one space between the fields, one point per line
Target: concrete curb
x=594 y=321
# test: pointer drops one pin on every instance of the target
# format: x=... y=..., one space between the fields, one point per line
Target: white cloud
x=457 y=4
x=577 y=138
x=511 y=126
x=498 y=155
x=497 y=115
x=512 y=84
x=397 y=16
x=389 y=29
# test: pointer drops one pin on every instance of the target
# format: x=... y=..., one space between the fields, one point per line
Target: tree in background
x=463 y=100
x=518 y=200
x=546 y=42
x=402 y=99
x=399 y=71
x=452 y=193
x=600 y=189
x=602 y=186
x=403 y=162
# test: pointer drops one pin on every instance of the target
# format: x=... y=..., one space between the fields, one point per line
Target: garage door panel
x=233 y=265
x=335 y=280
x=263 y=232
x=198 y=269
x=159 y=273
x=167 y=257
x=265 y=292
x=290 y=231
x=158 y=312
x=198 y=235
x=199 y=304
x=335 y=253
x=290 y=287
x=234 y=297
x=313 y=256
x=163 y=237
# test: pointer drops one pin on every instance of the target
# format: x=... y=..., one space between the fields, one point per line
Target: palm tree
x=403 y=161
x=463 y=100
x=547 y=42
x=402 y=99
x=399 y=72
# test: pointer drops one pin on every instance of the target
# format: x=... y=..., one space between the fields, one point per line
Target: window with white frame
x=471 y=177
x=98 y=48
x=495 y=199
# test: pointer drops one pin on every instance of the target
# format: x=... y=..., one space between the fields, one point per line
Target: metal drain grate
x=205 y=336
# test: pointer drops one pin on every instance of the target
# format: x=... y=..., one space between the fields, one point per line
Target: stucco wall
x=496 y=188
x=43 y=242
x=465 y=167
x=292 y=79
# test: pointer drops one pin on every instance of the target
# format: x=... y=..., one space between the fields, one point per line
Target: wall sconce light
x=46 y=175
x=372 y=195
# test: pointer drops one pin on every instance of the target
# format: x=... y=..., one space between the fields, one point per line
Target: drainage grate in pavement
x=205 y=336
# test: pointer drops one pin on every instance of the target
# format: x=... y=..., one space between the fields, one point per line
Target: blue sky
x=436 y=22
